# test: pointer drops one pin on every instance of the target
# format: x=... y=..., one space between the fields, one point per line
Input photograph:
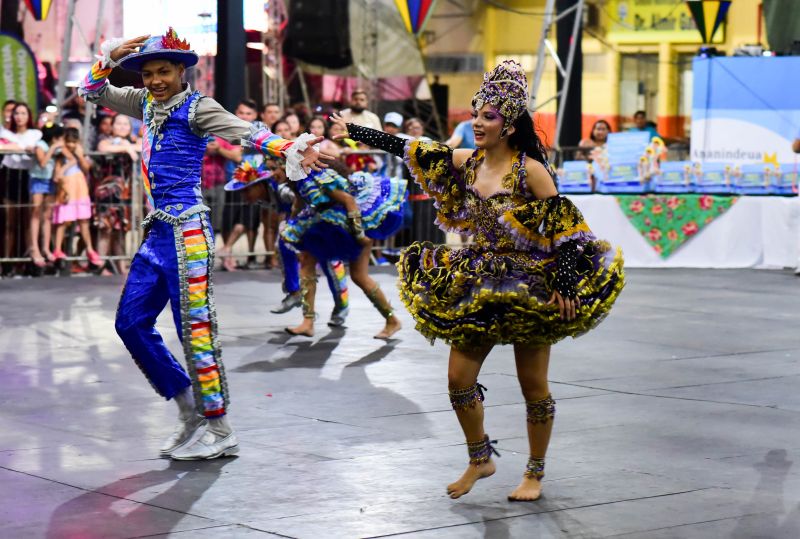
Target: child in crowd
x=42 y=190
x=72 y=201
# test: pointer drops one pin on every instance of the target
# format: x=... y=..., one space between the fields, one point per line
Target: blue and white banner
x=745 y=110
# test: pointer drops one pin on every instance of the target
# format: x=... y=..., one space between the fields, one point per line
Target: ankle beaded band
x=541 y=411
x=535 y=468
x=466 y=398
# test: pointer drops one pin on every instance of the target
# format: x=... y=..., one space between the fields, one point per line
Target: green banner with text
x=18 y=73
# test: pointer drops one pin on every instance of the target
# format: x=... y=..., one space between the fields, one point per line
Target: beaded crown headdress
x=505 y=88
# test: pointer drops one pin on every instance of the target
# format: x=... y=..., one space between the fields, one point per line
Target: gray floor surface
x=677 y=418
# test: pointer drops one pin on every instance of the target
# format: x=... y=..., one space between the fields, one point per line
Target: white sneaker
x=185 y=432
x=209 y=446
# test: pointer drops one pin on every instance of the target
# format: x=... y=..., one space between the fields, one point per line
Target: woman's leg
x=86 y=235
x=37 y=200
x=47 y=226
x=308 y=286
x=11 y=225
x=466 y=397
x=532 y=364
x=359 y=272
x=59 y=243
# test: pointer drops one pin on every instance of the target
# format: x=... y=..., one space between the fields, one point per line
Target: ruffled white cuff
x=105 y=52
x=294 y=170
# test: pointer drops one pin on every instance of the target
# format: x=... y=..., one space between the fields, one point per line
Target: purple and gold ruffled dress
x=496 y=290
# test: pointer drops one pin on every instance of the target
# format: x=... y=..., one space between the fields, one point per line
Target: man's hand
x=311 y=157
x=129 y=47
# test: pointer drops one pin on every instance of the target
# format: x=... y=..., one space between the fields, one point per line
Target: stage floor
x=679 y=417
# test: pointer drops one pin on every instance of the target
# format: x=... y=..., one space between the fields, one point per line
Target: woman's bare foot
x=228 y=262
x=306 y=328
x=529 y=490
x=392 y=326
x=472 y=474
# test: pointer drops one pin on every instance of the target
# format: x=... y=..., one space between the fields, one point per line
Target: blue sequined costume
x=321 y=228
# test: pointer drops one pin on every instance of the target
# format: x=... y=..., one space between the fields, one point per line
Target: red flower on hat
x=245 y=173
x=170 y=40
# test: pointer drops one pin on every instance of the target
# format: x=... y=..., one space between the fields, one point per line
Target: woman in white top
x=22 y=138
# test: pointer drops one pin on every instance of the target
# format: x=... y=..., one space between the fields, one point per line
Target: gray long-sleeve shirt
x=211 y=117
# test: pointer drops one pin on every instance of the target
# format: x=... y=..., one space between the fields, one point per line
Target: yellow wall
x=497 y=33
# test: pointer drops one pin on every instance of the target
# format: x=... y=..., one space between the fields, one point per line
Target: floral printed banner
x=668 y=221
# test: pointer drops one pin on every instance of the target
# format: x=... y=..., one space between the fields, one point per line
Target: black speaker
x=318 y=32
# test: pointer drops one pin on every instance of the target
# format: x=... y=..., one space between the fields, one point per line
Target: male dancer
x=175 y=260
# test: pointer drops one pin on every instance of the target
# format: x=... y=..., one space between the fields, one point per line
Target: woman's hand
x=336 y=119
x=129 y=47
x=566 y=306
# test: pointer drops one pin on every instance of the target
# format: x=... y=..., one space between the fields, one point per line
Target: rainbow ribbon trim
x=201 y=348
x=95 y=80
x=268 y=142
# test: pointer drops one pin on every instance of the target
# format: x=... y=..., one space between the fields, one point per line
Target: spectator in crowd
x=119 y=140
x=393 y=165
x=8 y=110
x=415 y=129
x=598 y=137
x=282 y=129
x=14 y=176
x=640 y=123
x=112 y=221
x=271 y=113
x=358 y=113
x=218 y=152
x=318 y=126
x=42 y=191
x=463 y=136
x=239 y=217
x=104 y=129
x=294 y=124
x=72 y=198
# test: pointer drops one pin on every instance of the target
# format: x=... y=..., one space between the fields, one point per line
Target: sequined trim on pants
x=201 y=347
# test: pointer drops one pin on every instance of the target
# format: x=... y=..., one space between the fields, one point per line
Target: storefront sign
x=653 y=21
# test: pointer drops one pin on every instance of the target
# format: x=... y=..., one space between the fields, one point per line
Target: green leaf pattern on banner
x=669 y=221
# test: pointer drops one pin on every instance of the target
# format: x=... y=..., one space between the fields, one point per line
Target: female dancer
x=267 y=184
x=176 y=259
x=339 y=222
x=534 y=275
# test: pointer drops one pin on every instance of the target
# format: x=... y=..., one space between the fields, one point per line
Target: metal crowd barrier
x=119 y=205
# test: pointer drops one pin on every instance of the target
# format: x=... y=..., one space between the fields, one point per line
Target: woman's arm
x=538 y=180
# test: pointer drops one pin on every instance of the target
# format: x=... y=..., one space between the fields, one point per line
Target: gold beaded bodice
x=484 y=212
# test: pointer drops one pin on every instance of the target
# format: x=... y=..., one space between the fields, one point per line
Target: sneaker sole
x=227 y=452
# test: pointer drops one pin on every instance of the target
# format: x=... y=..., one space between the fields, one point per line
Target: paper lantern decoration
x=39 y=8
x=415 y=13
x=708 y=15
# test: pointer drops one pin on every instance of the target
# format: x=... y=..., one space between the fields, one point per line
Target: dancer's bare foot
x=228 y=262
x=306 y=328
x=392 y=326
x=529 y=490
x=472 y=474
